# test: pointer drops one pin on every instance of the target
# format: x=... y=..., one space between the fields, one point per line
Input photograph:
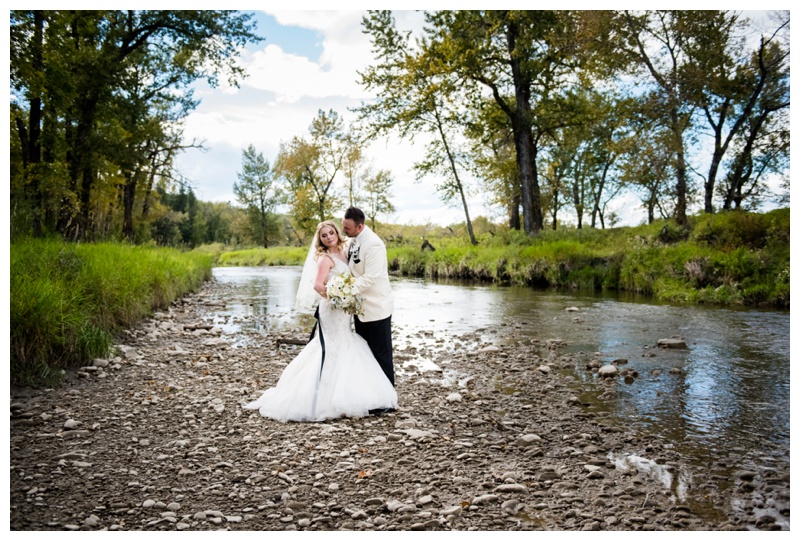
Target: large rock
x=608 y=371
x=526 y=440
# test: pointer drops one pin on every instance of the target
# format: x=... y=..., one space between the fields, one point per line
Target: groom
x=370 y=267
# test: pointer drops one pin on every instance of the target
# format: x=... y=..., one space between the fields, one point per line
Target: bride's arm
x=324 y=266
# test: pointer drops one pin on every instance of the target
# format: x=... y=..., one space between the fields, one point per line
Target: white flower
x=342 y=295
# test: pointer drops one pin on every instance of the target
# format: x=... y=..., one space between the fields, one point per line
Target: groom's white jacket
x=370 y=267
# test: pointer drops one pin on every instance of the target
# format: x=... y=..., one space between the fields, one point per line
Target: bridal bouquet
x=342 y=294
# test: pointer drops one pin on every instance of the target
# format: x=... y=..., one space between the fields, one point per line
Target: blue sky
x=292 y=39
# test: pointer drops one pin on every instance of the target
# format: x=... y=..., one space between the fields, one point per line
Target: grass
x=731 y=258
x=258 y=257
x=68 y=300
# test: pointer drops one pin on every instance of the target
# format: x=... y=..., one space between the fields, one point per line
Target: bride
x=335 y=374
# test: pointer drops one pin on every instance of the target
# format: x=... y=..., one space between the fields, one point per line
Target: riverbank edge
x=68 y=299
x=730 y=259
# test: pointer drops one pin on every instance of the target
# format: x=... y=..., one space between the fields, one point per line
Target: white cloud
x=282 y=95
x=345 y=50
x=292 y=77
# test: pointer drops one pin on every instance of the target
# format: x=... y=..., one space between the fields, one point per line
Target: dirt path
x=156 y=439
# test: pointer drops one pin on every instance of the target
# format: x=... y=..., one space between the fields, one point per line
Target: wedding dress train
x=334 y=375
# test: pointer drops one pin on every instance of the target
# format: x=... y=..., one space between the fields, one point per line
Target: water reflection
x=732 y=388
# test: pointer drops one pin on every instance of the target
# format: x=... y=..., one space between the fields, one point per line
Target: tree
x=646 y=167
x=494 y=160
x=377 y=194
x=762 y=145
x=259 y=192
x=600 y=133
x=352 y=169
x=763 y=150
x=414 y=97
x=653 y=41
x=311 y=165
x=736 y=93
x=144 y=121
x=520 y=57
x=72 y=69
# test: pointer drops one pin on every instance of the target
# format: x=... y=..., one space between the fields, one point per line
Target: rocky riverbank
x=499 y=438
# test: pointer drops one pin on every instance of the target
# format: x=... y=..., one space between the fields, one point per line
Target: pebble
x=511 y=443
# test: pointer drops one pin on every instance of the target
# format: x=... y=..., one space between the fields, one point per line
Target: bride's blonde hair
x=321 y=248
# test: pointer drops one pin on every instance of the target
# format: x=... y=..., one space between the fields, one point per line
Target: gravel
x=155 y=438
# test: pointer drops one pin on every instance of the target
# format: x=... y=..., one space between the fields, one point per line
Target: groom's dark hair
x=355 y=214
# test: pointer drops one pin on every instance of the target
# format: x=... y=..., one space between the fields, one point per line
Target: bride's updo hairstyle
x=318 y=243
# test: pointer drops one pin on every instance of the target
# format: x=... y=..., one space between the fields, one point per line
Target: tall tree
x=494 y=160
x=259 y=193
x=654 y=42
x=519 y=57
x=377 y=195
x=353 y=168
x=732 y=89
x=415 y=96
x=647 y=167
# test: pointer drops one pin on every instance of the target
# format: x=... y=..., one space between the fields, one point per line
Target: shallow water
x=727 y=409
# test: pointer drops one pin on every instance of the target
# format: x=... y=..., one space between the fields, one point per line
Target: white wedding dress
x=350 y=382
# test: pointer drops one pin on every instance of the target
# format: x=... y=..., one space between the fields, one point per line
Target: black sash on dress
x=321 y=338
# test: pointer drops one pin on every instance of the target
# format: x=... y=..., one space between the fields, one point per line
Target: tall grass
x=256 y=257
x=729 y=258
x=726 y=258
x=68 y=300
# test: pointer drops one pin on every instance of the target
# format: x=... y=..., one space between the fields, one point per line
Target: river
x=728 y=408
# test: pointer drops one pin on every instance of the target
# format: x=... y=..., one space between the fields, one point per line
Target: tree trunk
x=523 y=140
x=151 y=179
x=128 y=198
x=680 y=169
x=67 y=210
x=742 y=166
x=513 y=213
x=716 y=158
x=555 y=209
x=264 y=226
x=454 y=170
x=84 y=162
x=31 y=138
x=598 y=195
x=577 y=199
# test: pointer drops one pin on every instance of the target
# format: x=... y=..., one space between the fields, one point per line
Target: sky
x=307 y=62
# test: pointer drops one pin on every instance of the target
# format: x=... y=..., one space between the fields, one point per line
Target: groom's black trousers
x=378 y=335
